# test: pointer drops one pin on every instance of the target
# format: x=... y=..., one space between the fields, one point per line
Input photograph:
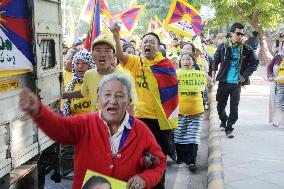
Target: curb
x=215 y=174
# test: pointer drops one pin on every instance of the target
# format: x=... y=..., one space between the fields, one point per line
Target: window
x=47 y=54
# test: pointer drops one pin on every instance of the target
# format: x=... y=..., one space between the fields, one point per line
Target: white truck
x=21 y=143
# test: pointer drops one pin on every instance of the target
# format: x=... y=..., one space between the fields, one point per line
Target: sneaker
x=275 y=124
x=206 y=106
x=229 y=134
x=223 y=125
x=192 y=167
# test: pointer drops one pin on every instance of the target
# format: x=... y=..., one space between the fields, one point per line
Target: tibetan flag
x=105 y=11
x=159 y=24
x=167 y=108
x=95 y=26
x=87 y=43
x=184 y=19
x=128 y=19
x=106 y=18
x=16 y=50
x=152 y=25
x=155 y=24
x=87 y=10
x=96 y=21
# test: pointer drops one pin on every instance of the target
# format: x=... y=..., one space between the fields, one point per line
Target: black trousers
x=187 y=153
x=162 y=139
x=223 y=92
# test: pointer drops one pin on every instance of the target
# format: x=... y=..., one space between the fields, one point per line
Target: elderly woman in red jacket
x=110 y=142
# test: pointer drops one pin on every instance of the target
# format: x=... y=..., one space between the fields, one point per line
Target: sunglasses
x=239 y=33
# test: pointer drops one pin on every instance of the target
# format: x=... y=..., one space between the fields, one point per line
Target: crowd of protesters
x=129 y=106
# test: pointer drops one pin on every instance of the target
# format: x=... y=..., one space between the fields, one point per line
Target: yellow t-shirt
x=190 y=99
x=190 y=103
x=91 y=84
x=200 y=63
x=142 y=74
x=176 y=50
x=281 y=72
x=67 y=77
x=80 y=105
x=211 y=49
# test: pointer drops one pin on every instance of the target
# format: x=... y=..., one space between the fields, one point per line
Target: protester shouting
x=109 y=141
x=156 y=85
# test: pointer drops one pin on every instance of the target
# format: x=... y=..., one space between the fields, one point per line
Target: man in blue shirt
x=237 y=62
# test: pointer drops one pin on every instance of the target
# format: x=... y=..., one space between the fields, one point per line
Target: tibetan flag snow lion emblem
x=184 y=19
x=16 y=51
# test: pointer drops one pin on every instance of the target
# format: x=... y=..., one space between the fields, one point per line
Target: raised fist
x=29 y=102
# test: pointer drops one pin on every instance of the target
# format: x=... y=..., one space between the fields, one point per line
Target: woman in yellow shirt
x=187 y=134
x=82 y=61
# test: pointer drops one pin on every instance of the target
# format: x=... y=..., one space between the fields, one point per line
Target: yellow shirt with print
x=190 y=103
x=80 y=105
x=91 y=84
x=142 y=74
x=281 y=72
x=190 y=99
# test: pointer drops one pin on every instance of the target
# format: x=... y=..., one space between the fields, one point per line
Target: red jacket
x=92 y=147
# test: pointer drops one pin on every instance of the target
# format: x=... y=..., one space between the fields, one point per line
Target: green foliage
x=263 y=13
x=118 y=5
x=73 y=10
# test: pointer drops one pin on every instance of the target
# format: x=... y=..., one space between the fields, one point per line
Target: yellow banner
x=95 y=180
x=191 y=80
x=9 y=85
x=8 y=73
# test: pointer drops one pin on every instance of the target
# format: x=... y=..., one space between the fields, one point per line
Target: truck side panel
x=20 y=140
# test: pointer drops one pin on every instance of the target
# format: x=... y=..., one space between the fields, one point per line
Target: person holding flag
x=156 y=86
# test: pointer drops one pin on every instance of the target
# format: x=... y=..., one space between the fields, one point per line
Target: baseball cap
x=104 y=39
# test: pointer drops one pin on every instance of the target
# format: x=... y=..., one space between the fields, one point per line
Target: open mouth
x=147 y=51
x=112 y=110
x=102 y=61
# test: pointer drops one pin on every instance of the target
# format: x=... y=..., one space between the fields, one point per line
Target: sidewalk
x=178 y=176
x=255 y=157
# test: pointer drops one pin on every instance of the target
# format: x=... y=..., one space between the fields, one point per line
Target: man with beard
x=238 y=62
x=156 y=86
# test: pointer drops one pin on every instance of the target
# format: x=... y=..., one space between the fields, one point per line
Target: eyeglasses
x=239 y=33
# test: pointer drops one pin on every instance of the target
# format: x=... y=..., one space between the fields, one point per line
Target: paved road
x=254 y=159
x=177 y=176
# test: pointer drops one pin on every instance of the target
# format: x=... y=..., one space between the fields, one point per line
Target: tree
x=260 y=14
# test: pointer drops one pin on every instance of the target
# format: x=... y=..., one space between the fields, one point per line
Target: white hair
x=123 y=80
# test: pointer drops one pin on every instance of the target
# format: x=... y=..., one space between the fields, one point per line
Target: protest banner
x=191 y=80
